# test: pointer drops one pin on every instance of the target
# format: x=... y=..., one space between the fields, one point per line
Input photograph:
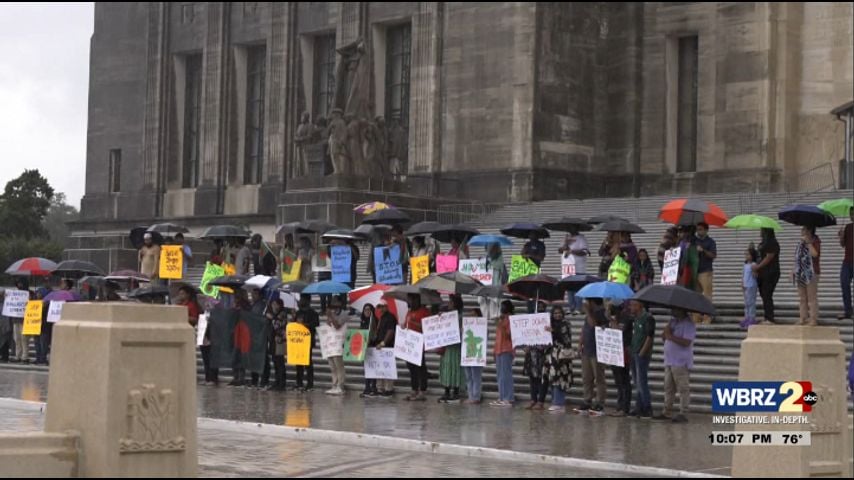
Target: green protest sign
x=355 y=345
x=212 y=271
x=522 y=267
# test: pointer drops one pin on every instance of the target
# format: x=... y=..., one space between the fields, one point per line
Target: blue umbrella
x=612 y=290
x=806 y=215
x=327 y=287
x=486 y=240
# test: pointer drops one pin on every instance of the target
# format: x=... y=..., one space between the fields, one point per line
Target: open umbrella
x=752 y=222
x=137 y=237
x=675 y=296
x=567 y=224
x=691 y=211
x=605 y=219
x=230 y=281
x=296 y=286
x=612 y=290
x=574 y=283
x=523 y=230
x=315 y=226
x=326 y=287
x=806 y=215
x=459 y=233
x=486 y=240
x=168 y=228
x=61 y=296
x=156 y=291
x=454 y=282
x=536 y=287
x=837 y=208
x=31 y=266
x=390 y=216
x=372 y=294
x=402 y=292
x=423 y=228
x=371 y=207
x=340 y=234
x=621 y=226
x=262 y=282
x=123 y=275
x=68 y=267
x=225 y=231
x=488 y=291
x=288 y=228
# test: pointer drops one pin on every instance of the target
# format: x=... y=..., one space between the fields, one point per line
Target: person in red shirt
x=846 y=272
x=417 y=373
x=187 y=297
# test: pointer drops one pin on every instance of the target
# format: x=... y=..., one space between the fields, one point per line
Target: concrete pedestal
x=124 y=376
x=796 y=353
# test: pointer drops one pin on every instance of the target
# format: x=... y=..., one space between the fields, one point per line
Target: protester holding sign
x=621 y=319
x=450 y=371
x=557 y=364
x=643 y=334
x=592 y=371
x=5 y=332
x=533 y=368
x=689 y=261
x=309 y=318
x=368 y=321
x=504 y=354
x=385 y=339
x=278 y=317
x=417 y=373
x=336 y=318
x=678 y=337
x=575 y=251
x=149 y=257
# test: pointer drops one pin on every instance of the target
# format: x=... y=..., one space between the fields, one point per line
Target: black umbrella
x=402 y=292
x=230 y=281
x=390 y=216
x=523 y=230
x=137 y=237
x=806 y=215
x=455 y=282
x=296 y=286
x=149 y=292
x=341 y=234
x=168 y=228
x=567 y=224
x=225 y=231
x=536 y=287
x=423 y=228
x=288 y=228
x=69 y=267
x=605 y=219
x=574 y=283
x=621 y=226
x=459 y=233
x=489 y=291
x=315 y=226
x=675 y=296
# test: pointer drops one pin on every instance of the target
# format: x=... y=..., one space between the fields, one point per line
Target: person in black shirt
x=768 y=271
x=385 y=339
x=368 y=321
x=311 y=320
x=621 y=319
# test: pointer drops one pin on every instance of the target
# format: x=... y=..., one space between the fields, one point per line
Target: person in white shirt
x=575 y=246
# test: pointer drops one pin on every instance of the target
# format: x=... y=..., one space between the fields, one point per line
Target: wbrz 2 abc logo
x=786 y=397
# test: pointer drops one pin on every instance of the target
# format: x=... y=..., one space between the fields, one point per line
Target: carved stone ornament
x=151 y=422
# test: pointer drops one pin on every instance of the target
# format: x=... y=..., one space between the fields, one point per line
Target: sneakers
x=680 y=419
x=338 y=392
x=500 y=404
x=556 y=409
x=331 y=391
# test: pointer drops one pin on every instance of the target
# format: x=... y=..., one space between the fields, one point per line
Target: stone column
x=424 y=90
x=124 y=376
x=155 y=99
x=796 y=353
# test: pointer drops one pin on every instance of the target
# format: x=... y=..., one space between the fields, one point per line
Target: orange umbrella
x=690 y=211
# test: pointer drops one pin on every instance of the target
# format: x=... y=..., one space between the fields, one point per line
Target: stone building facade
x=194 y=108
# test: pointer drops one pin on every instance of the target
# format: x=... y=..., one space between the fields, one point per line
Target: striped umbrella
x=371 y=207
x=690 y=211
x=32 y=266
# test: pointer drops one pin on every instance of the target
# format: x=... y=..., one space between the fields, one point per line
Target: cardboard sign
x=355 y=345
x=670 y=271
x=387 y=266
x=171 y=262
x=609 y=347
x=446 y=263
x=441 y=330
x=420 y=267
x=15 y=303
x=475 y=335
x=530 y=329
x=320 y=262
x=331 y=341
x=212 y=271
x=342 y=263
x=567 y=266
x=522 y=267
x=409 y=346
x=299 y=344
x=54 y=310
x=380 y=364
x=201 y=329
x=33 y=318
x=477 y=269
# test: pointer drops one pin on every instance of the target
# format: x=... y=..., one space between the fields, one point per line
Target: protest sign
x=477 y=269
x=212 y=271
x=201 y=329
x=33 y=318
x=380 y=364
x=530 y=329
x=15 y=303
x=355 y=345
x=387 y=266
x=342 y=260
x=474 y=342
x=670 y=271
x=522 y=267
x=441 y=330
x=567 y=266
x=446 y=263
x=331 y=341
x=54 y=311
x=171 y=262
x=609 y=347
x=299 y=344
x=420 y=267
x=409 y=346
x=291 y=265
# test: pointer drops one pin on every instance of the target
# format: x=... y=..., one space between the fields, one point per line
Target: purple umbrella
x=62 y=296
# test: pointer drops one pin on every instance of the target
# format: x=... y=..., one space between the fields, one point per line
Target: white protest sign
x=201 y=328
x=609 y=347
x=15 y=303
x=441 y=330
x=476 y=268
x=54 y=312
x=474 y=342
x=380 y=364
x=331 y=341
x=409 y=346
x=530 y=329
x=567 y=266
x=289 y=300
x=670 y=271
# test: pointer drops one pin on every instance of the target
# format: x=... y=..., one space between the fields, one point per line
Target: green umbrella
x=752 y=222
x=837 y=208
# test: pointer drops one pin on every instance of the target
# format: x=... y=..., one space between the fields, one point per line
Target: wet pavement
x=625 y=441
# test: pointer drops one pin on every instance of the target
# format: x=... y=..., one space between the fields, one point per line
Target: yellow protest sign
x=299 y=344
x=33 y=318
x=294 y=273
x=420 y=267
x=171 y=262
x=228 y=269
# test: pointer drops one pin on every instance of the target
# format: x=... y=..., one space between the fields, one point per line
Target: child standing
x=749 y=286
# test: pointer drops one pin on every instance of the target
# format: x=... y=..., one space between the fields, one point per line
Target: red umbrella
x=32 y=266
x=690 y=211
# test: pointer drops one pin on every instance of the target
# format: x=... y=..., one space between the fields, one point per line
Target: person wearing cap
x=385 y=339
x=149 y=257
x=336 y=318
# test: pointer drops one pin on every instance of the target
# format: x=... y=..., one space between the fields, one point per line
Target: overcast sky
x=44 y=78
